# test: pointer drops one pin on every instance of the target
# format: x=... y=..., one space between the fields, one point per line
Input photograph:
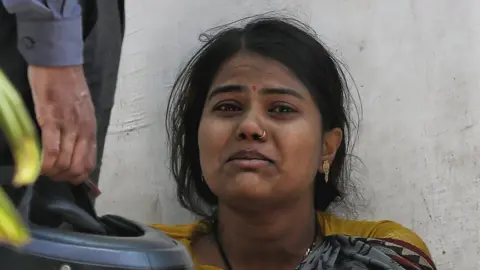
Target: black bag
x=80 y=240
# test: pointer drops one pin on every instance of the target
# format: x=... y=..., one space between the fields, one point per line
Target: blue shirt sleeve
x=49 y=31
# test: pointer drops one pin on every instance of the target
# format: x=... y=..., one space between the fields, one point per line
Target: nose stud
x=260 y=137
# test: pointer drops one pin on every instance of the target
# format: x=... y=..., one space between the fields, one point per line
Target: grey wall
x=416 y=65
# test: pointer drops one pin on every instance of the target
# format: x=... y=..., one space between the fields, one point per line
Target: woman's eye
x=227 y=108
x=282 y=109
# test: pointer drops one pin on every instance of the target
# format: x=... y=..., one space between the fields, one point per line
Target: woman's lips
x=249 y=159
x=249 y=164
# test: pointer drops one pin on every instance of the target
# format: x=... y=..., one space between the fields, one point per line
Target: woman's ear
x=331 y=142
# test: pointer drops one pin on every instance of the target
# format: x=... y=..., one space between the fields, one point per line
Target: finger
x=50 y=147
x=79 y=179
x=91 y=158
x=84 y=157
x=63 y=164
x=78 y=167
x=89 y=164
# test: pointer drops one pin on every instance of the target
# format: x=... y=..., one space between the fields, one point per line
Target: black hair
x=287 y=41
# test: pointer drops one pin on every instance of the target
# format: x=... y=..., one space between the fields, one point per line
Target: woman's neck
x=267 y=239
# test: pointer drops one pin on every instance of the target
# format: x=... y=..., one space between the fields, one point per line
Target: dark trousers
x=104 y=26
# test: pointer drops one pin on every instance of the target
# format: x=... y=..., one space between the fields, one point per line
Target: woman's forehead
x=255 y=70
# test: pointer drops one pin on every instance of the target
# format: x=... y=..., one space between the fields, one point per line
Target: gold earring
x=326 y=170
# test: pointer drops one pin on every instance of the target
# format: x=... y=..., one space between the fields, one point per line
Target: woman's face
x=249 y=95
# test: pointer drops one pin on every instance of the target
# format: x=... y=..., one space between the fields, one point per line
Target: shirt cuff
x=51 y=42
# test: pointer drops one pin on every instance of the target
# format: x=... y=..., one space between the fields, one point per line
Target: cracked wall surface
x=416 y=65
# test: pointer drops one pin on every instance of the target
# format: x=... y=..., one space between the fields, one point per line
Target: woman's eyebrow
x=226 y=89
x=265 y=91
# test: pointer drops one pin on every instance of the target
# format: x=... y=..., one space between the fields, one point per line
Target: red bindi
x=254 y=87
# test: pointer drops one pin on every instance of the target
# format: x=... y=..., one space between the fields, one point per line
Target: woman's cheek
x=212 y=139
x=301 y=152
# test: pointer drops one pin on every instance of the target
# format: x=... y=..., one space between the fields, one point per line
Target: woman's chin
x=249 y=187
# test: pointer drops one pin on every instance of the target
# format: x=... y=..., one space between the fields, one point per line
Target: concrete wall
x=417 y=68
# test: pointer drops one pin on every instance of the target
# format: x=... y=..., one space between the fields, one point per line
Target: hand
x=66 y=116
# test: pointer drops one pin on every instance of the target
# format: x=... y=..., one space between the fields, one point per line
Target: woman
x=259 y=131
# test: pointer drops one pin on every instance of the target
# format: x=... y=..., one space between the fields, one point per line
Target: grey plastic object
x=84 y=241
x=52 y=249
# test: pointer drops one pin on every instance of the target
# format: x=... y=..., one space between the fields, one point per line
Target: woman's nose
x=251 y=128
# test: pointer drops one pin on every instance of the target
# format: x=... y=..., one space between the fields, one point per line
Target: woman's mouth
x=249 y=159
x=250 y=164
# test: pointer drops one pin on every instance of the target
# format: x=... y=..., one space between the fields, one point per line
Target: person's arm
x=49 y=31
x=50 y=39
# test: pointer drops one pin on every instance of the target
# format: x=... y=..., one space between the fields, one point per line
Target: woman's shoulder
x=181 y=232
x=330 y=224
x=383 y=229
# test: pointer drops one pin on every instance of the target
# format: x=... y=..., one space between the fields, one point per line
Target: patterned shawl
x=342 y=252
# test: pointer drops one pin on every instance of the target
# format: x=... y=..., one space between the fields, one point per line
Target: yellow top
x=329 y=224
